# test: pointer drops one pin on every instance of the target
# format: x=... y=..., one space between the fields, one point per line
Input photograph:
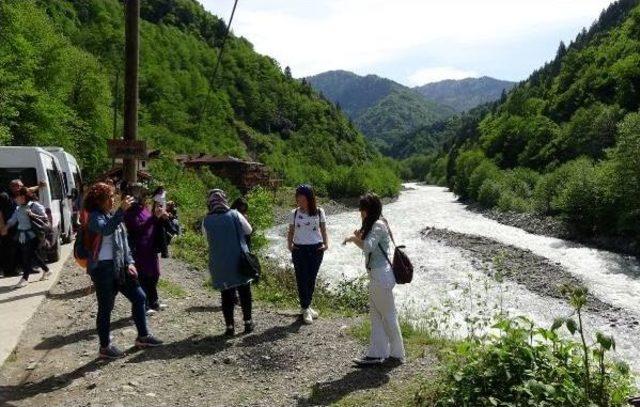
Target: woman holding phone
x=112 y=268
x=373 y=238
x=307 y=240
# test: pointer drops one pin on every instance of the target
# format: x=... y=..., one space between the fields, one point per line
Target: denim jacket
x=105 y=224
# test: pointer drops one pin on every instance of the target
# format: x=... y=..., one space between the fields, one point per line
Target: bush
x=487 y=170
x=490 y=193
x=577 y=200
x=466 y=163
x=372 y=177
x=438 y=173
x=521 y=365
x=260 y=215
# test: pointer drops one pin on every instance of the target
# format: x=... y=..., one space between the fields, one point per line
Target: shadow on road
x=58 y=341
x=52 y=383
x=193 y=345
x=327 y=393
x=274 y=334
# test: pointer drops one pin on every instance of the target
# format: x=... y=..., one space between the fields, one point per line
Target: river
x=448 y=284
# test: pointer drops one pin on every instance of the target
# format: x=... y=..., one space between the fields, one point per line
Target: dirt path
x=282 y=363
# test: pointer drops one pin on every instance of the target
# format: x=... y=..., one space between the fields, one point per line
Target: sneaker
x=230 y=331
x=110 y=352
x=306 y=317
x=46 y=275
x=22 y=283
x=151 y=312
x=314 y=313
x=248 y=327
x=148 y=341
x=368 y=361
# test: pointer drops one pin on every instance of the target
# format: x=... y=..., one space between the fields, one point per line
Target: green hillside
x=566 y=141
x=58 y=65
x=465 y=94
x=385 y=111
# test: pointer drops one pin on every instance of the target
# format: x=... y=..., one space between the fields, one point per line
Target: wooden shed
x=245 y=175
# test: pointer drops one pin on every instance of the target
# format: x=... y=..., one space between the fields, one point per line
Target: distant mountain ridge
x=384 y=110
x=465 y=94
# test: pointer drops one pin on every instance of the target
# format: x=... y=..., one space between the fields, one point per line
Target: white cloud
x=428 y=75
x=313 y=36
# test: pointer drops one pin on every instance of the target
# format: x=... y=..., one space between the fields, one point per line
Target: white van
x=72 y=182
x=34 y=165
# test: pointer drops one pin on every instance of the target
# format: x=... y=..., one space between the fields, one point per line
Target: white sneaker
x=306 y=317
x=46 y=275
x=22 y=283
x=314 y=313
x=151 y=311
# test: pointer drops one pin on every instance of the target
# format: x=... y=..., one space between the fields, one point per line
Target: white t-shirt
x=306 y=229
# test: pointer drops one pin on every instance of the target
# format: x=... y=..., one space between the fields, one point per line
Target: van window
x=28 y=176
x=55 y=183
x=66 y=183
x=77 y=179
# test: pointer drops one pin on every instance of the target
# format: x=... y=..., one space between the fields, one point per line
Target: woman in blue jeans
x=111 y=267
x=307 y=240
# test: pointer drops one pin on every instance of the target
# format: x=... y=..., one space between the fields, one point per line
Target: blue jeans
x=107 y=287
x=306 y=262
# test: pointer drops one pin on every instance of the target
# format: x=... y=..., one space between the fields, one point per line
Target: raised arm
x=98 y=223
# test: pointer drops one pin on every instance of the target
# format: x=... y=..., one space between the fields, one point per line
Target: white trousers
x=386 y=338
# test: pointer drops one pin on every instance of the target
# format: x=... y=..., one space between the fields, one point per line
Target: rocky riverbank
x=536 y=273
x=555 y=227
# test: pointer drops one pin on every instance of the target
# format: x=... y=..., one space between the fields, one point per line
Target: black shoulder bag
x=249 y=264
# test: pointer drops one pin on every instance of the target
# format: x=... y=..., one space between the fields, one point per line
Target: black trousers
x=30 y=256
x=306 y=262
x=149 y=285
x=228 y=303
x=9 y=254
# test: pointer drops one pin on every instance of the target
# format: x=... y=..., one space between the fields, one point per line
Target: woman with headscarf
x=226 y=230
x=143 y=227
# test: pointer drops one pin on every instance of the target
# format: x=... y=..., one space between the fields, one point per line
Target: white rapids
x=442 y=272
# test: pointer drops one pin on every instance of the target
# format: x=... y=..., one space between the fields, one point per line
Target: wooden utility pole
x=132 y=56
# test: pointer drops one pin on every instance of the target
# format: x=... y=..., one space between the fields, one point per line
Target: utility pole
x=132 y=56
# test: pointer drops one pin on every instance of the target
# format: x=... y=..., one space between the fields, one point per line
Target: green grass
x=278 y=287
x=171 y=289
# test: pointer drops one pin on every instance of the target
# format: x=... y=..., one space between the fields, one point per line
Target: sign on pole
x=131 y=149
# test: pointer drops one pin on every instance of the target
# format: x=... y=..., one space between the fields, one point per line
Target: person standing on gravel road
x=373 y=238
x=111 y=267
x=143 y=227
x=224 y=227
x=307 y=240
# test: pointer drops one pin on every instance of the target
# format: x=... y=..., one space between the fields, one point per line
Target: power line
x=219 y=61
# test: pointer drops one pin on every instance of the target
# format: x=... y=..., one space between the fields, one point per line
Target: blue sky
x=411 y=41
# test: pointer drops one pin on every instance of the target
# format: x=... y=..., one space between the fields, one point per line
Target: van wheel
x=54 y=254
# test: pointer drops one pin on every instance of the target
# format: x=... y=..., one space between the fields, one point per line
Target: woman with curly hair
x=112 y=268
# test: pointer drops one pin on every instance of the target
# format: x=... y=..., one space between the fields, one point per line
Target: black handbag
x=249 y=263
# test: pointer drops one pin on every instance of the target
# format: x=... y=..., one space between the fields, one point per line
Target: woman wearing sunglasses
x=307 y=240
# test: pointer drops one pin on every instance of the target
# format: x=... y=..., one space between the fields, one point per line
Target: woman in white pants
x=373 y=238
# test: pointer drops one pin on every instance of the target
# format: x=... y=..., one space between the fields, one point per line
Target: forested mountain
x=567 y=140
x=59 y=60
x=465 y=94
x=383 y=109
